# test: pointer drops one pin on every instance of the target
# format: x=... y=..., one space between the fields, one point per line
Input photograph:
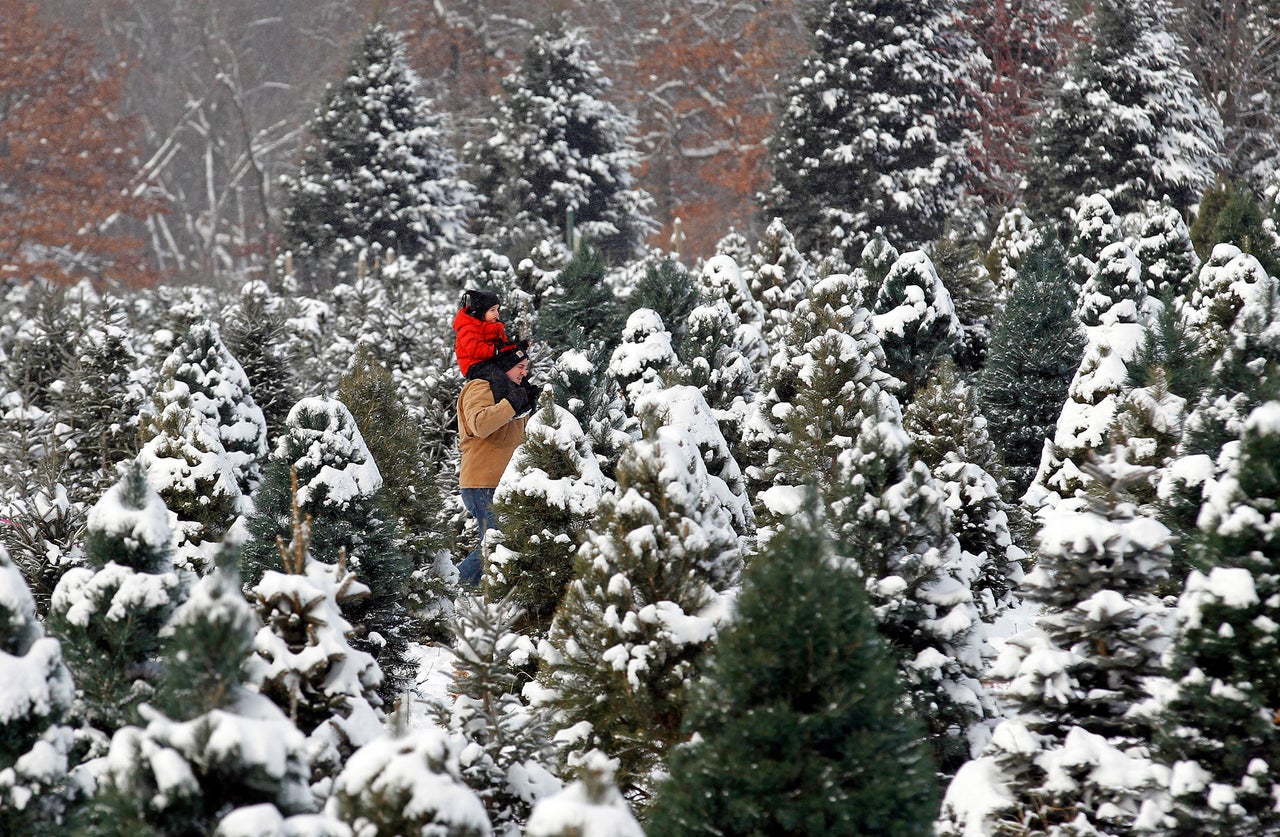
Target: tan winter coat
x=488 y=434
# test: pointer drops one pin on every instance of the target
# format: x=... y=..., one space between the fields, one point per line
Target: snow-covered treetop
x=323 y=442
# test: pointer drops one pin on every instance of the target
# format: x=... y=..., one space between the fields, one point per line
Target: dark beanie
x=480 y=301
x=509 y=358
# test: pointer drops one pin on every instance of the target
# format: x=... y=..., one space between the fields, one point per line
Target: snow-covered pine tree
x=801 y=702
x=779 y=276
x=915 y=320
x=892 y=526
x=1111 y=309
x=108 y=614
x=590 y=805
x=644 y=360
x=1092 y=227
x=1015 y=234
x=1230 y=213
x=210 y=745
x=1234 y=312
x=819 y=387
x=958 y=260
x=37 y=697
x=1035 y=351
x=490 y=667
x=667 y=288
x=339 y=486
x=560 y=155
x=871 y=132
x=546 y=499
x=1169 y=261
x=949 y=434
x=188 y=466
x=1128 y=119
x=579 y=382
x=1217 y=725
x=681 y=414
x=409 y=488
x=640 y=614
x=409 y=783
x=874 y=263
x=98 y=402
x=379 y=174
x=308 y=668
x=256 y=334
x=579 y=309
x=714 y=361
x=201 y=371
x=1075 y=757
x=721 y=279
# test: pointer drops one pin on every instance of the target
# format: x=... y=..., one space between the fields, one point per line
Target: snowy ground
x=435 y=676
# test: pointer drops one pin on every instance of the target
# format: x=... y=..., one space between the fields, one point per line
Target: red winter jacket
x=476 y=340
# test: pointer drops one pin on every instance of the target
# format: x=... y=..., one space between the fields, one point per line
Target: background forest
x=904 y=464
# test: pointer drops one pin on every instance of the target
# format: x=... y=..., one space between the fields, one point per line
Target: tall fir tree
x=34 y=742
x=958 y=260
x=721 y=279
x=256 y=334
x=1217 y=728
x=644 y=361
x=1169 y=260
x=1075 y=756
x=109 y=613
x=802 y=690
x=1035 y=350
x=639 y=616
x=779 y=276
x=713 y=359
x=379 y=174
x=872 y=127
x=1128 y=119
x=560 y=154
x=339 y=487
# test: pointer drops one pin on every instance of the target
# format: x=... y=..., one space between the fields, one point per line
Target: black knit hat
x=480 y=301
x=504 y=360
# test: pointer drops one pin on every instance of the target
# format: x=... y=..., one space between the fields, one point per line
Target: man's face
x=518 y=372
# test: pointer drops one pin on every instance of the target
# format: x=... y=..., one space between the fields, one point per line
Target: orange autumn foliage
x=67 y=159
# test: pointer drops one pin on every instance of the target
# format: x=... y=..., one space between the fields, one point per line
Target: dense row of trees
x=204 y=111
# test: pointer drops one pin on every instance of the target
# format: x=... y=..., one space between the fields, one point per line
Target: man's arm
x=479 y=412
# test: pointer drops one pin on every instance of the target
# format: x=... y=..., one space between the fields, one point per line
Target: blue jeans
x=479 y=503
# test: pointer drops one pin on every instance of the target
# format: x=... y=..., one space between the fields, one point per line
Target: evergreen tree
x=872 y=127
x=1015 y=235
x=1169 y=260
x=1217 y=728
x=210 y=746
x=579 y=309
x=202 y=372
x=578 y=381
x=590 y=805
x=949 y=434
x=1075 y=757
x=560 y=154
x=189 y=468
x=1128 y=120
x=546 y=499
x=915 y=319
x=799 y=723
x=410 y=783
x=512 y=775
x=1230 y=214
x=1093 y=227
x=779 y=276
x=379 y=174
x=645 y=360
x=974 y=294
x=256 y=334
x=37 y=697
x=722 y=279
x=309 y=669
x=98 y=402
x=109 y=613
x=339 y=487
x=640 y=613
x=1035 y=350
x=392 y=435
x=713 y=360
x=667 y=288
